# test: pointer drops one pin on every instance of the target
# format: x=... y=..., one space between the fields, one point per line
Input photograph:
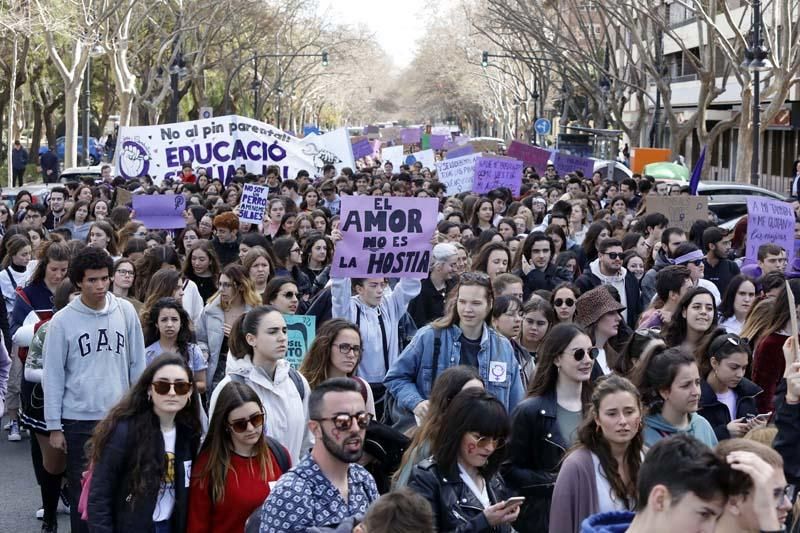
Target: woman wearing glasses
x=281 y=293
x=259 y=341
x=599 y=474
x=727 y=398
x=288 y=258
x=237 y=464
x=563 y=301
x=460 y=479
x=689 y=254
x=335 y=353
x=142 y=453
x=122 y=282
x=546 y=423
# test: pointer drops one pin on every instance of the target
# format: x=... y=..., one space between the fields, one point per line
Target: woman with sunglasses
x=460 y=479
x=462 y=336
x=669 y=383
x=546 y=423
x=282 y=294
x=236 y=466
x=599 y=474
x=335 y=353
x=259 y=341
x=563 y=300
x=142 y=453
x=689 y=254
x=727 y=397
x=599 y=314
x=507 y=320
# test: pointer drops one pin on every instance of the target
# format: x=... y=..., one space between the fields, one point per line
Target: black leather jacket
x=717 y=412
x=455 y=507
x=535 y=451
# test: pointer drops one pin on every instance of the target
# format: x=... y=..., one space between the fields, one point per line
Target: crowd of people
x=573 y=362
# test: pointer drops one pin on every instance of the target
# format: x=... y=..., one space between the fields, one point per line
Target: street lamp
x=755 y=60
x=95 y=51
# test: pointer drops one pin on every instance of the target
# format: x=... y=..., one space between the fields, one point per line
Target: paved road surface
x=19 y=493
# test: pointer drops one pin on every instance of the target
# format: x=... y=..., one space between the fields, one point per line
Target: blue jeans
x=76 y=434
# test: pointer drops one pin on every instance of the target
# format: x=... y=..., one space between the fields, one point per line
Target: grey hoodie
x=91 y=358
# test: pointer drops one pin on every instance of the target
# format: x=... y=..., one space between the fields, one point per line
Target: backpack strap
x=383 y=333
x=297 y=379
x=279 y=452
x=437 y=346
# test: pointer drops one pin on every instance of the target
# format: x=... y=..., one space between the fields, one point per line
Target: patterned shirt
x=304 y=498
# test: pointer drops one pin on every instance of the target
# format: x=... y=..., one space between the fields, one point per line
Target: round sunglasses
x=240 y=424
x=580 y=353
x=181 y=388
x=558 y=302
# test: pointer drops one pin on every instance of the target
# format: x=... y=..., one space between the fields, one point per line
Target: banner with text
x=253 y=203
x=494 y=172
x=385 y=236
x=768 y=221
x=457 y=174
x=222 y=144
x=566 y=163
x=301 y=330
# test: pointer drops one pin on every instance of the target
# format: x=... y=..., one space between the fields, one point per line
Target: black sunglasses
x=615 y=255
x=162 y=388
x=343 y=421
x=240 y=424
x=580 y=353
x=558 y=302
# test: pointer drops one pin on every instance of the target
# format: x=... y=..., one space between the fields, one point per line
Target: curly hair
x=150 y=325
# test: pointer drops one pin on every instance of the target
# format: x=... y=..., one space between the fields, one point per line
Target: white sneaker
x=7 y=426
x=40 y=514
x=13 y=432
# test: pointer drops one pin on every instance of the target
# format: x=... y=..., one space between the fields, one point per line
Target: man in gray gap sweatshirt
x=93 y=353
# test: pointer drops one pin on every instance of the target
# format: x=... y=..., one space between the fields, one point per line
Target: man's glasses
x=614 y=255
x=343 y=421
x=240 y=424
x=558 y=302
x=162 y=388
x=346 y=348
x=580 y=353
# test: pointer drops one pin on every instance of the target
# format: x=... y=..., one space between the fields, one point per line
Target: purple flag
x=385 y=236
x=160 y=211
x=698 y=169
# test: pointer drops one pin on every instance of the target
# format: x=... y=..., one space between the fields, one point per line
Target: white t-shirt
x=729 y=399
x=607 y=501
x=166 y=494
x=601 y=360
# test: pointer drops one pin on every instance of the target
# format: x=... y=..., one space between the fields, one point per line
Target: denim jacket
x=409 y=378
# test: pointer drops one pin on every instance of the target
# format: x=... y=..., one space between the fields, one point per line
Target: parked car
x=728 y=200
x=95 y=150
x=39 y=194
x=79 y=173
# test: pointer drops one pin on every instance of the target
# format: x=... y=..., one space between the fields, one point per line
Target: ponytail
x=246 y=323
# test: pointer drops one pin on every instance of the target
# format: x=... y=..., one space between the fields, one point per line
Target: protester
x=599 y=314
x=672 y=282
x=429 y=304
x=201 y=266
x=563 y=300
x=14 y=272
x=507 y=320
x=534 y=265
x=312 y=492
x=537 y=320
x=546 y=423
x=460 y=480
x=282 y=293
x=641 y=344
x=226 y=238
x=719 y=269
x=693 y=321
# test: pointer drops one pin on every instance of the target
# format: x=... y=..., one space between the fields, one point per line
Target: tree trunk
x=72 y=94
x=12 y=90
x=744 y=153
x=36 y=134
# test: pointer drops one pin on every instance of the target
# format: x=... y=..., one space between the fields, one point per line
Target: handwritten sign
x=385 y=236
x=253 y=204
x=530 y=155
x=410 y=135
x=362 y=148
x=681 y=211
x=457 y=174
x=160 y=211
x=768 y=221
x=494 y=172
x=301 y=330
x=566 y=163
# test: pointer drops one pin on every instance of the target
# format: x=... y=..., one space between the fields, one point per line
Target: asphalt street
x=19 y=492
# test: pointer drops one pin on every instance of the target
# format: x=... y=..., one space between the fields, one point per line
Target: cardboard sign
x=566 y=163
x=253 y=203
x=301 y=333
x=681 y=211
x=124 y=197
x=457 y=174
x=768 y=221
x=532 y=156
x=160 y=211
x=385 y=236
x=485 y=146
x=494 y=172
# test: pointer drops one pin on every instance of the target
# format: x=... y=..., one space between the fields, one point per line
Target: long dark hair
x=146 y=466
x=546 y=376
x=472 y=410
x=726 y=307
x=150 y=325
x=656 y=372
x=591 y=437
x=246 y=323
x=481 y=261
x=721 y=346
x=150 y=263
x=590 y=240
x=213 y=262
x=639 y=345
x=218 y=445
x=674 y=332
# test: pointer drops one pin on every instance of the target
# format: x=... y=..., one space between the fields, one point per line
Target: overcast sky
x=397 y=24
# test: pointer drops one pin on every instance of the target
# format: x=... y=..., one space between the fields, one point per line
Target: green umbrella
x=667 y=171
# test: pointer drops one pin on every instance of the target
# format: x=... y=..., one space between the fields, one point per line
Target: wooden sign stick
x=792 y=317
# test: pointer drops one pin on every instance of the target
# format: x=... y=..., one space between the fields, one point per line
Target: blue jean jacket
x=409 y=378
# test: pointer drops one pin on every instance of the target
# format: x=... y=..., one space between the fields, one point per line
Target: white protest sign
x=221 y=145
x=441 y=130
x=253 y=203
x=457 y=174
x=393 y=154
x=426 y=157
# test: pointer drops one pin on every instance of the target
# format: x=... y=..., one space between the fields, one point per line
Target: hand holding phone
x=516 y=500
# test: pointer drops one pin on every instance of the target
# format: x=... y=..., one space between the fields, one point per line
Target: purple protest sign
x=768 y=221
x=437 y=141
x=362 y=148
x=530 y=155
x=566 y=163
x=494 y=172
x=411 y=135
x=461 y=151
x=160 y=211
x=376 y=149
x=385 y=236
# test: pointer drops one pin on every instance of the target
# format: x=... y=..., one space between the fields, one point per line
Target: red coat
x=191 y=178
x=768 y=367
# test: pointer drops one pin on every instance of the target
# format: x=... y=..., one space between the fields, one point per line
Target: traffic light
x=324 y=59
x=485 y=59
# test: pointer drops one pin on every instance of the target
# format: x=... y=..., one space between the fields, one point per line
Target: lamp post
x=755 y=60
x=95 y=51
